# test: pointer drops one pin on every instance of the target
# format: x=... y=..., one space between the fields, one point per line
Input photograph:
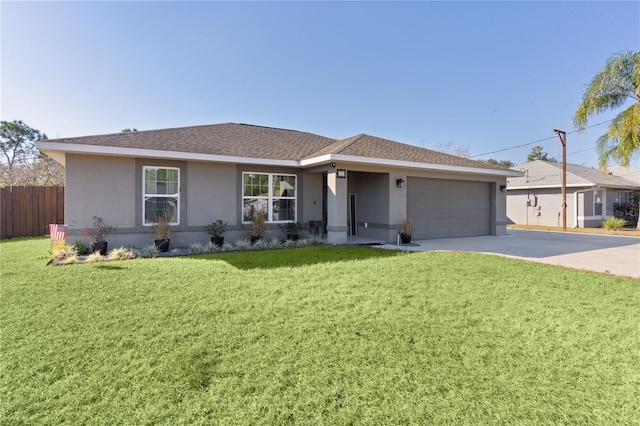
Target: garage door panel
x=443 y=208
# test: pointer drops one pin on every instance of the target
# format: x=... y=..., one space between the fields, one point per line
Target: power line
x=538 y=141
x=513 y=147
x=582 y=150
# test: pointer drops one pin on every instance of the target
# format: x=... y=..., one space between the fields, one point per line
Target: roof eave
x=552 y=186
x=573 y=185
x=53 y=148
x=309 y=162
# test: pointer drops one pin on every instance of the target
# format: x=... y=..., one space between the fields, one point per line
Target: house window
x=274 y=194
x=161 y=194
x=623 y=197
x=597 y=203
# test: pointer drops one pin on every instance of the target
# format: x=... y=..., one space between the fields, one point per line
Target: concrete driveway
x=614 y=255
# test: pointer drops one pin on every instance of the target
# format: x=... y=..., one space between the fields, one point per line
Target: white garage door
x=448 y=208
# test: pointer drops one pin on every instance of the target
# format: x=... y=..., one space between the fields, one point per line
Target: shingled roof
x=373 y=147
x=229 y=139
x=545 y=174
x=251 y=141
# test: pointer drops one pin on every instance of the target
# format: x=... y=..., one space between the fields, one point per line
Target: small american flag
x=57 y=232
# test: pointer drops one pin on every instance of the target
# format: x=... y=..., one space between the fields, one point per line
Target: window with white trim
x=161 y=194
x=623 y=197
x=597 y=203
x=273 y=193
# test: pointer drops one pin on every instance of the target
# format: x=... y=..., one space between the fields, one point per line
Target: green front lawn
x=322 y=335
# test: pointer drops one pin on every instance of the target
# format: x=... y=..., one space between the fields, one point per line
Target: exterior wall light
x=341 y=173
x=503 y=188
x=400 y=183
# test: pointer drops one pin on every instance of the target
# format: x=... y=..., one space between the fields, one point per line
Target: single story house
x=628 y=172
x=360 y=186
x=592 y=195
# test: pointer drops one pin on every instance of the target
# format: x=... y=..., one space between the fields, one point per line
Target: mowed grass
x=322 y=335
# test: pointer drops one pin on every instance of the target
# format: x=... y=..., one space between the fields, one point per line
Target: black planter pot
x=406 y=239
x=100 y=246
x=293 y=237
x=254 y=239
x=219 y=241
x=163 y=245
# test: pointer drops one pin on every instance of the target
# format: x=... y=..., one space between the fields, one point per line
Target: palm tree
x=611 y=88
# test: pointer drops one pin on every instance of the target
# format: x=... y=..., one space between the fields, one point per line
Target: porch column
x=336 y=209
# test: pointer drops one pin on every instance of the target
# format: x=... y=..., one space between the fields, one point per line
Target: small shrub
x=196 y=247
x=303 y=242
x=121 y=253
x=162 y=227
x=71 y=260
x=216 y=229
x=289 y=244
x=94 y=257
x=304 y=234
x=258 y=223
x=211 y=247
x=243 y=244
x=99 y=231
x=81 y=248
x=407 y=227
x=64 y=251
x=614 y=223
x=261 y=244
x=314 y=240
x=175 y=252
x=274 y=243
x=150 y=251
x=227 y=246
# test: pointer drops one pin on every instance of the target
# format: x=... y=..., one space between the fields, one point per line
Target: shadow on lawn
x=297 y=257
x=110 y=267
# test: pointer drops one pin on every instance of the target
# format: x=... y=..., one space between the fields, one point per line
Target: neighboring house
x=629 y=173
x=592 y=195
x=362 y=185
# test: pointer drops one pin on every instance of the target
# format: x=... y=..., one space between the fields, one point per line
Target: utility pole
x=563 y=139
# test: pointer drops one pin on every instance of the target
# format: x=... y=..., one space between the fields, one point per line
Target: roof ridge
x=346 y=143
x=270 y=127
x=336 y=146
x=121 y=133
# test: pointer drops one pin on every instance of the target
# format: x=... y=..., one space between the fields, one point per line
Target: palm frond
x=622 y=139
x=615 y=84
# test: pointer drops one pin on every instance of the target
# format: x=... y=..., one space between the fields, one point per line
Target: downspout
x=575 y=204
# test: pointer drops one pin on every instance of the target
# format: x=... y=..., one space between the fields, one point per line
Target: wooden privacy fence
x=26 y=211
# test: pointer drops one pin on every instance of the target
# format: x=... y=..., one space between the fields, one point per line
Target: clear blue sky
x=485 y=75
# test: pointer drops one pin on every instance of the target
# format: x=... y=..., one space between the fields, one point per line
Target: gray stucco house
x=362 y=185
x=592 y=195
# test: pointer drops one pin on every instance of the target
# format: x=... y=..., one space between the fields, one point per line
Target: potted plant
x=216 y=230
x=292 y=229
x=162 y=232
x=257 y=225
x=406 y=231
x=98 y=234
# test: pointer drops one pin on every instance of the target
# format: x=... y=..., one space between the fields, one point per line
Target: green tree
x=18 y=146
x=616 y=84
x=503 y=163
x=537 y=153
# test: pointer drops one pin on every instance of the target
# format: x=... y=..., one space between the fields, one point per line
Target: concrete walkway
x=614 y=255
